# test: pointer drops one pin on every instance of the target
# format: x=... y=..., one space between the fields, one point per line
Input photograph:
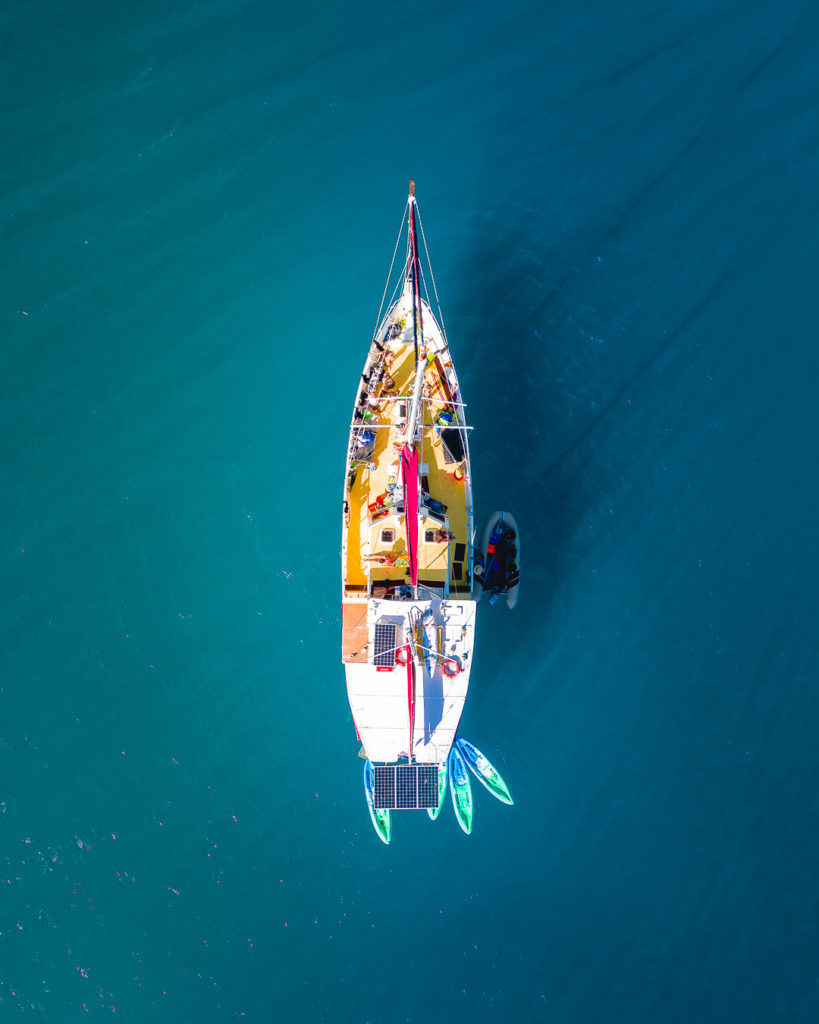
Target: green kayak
x=433 y=812
x=461 y=790
x=380 y=818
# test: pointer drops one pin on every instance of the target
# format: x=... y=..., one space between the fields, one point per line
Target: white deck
x=378 y=696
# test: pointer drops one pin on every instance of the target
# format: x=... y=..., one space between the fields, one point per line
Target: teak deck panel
x=354 y=634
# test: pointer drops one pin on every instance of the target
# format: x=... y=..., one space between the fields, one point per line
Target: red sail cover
x=409 y=475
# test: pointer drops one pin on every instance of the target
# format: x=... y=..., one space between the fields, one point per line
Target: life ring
x=458 y=474
x=402 y=562
x=401 y=656
x=451 y=668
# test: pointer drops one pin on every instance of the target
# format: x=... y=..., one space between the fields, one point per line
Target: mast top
x=412 y=188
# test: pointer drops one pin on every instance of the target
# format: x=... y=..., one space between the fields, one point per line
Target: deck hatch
x=406 y=786
x=384 y=654
x=453 y=445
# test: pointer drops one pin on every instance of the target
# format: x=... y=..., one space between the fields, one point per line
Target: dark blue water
x=198 y=207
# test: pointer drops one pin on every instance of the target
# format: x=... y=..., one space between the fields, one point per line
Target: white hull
x=408 y=608
x=378 y=696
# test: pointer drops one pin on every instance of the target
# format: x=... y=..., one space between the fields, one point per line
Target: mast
x=418 y=326
x=413 y=265
x=409 y=455
x=417 y=318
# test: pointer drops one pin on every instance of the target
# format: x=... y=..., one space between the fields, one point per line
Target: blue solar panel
x=406 y=786
x=384 y=654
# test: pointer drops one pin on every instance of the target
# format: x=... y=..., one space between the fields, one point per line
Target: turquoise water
x=199 y=207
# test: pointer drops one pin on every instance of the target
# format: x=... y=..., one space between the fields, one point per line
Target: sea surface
x=199 y=203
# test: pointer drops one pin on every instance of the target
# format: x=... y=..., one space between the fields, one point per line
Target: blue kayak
x=484 y=770
x=461 y=790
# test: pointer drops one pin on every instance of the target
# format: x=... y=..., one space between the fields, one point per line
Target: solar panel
x=406 y=786
x=384 y=795
x=427 y=785
x=384 y=654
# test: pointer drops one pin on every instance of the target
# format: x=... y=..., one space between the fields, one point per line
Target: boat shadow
x=522 y=446
x=539 y=427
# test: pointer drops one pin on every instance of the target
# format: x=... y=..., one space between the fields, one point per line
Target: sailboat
x=407 y=552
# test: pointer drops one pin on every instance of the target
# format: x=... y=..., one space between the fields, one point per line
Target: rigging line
x=426 y=290
x=424 y=279
x=399 y=284
x=389 y=274
x=397 y=290
x=431 y=273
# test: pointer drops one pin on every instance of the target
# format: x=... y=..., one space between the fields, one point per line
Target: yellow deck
x=365 y=543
